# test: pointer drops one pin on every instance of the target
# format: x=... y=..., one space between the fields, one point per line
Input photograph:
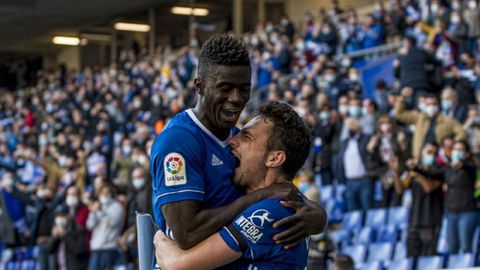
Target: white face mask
x=105 y=200
x=71 y=201
x=472 y=5
x=431 y=110
x=138 y=183
x=60 y=222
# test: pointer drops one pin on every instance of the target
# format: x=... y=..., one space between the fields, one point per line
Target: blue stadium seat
x=398 y=216
x=365 y=236
x=476 y=241
x=460 y=260
x=335 y=210
x=380 y=252
x=327 y=193
x=352 y=220
x=340 y=236
x=430 y=262
x=339 y=191
x=442 y=245
x=373 y=265
x=387 y=233
x=358 y=254
x=376 y=218
x=402 y=264
x=400 y=251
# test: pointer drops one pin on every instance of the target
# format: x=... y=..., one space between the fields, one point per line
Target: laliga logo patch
x=251 y=227
x=174 y=170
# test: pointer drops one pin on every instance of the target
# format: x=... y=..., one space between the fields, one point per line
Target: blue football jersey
x=253 y=227
x=188 y=162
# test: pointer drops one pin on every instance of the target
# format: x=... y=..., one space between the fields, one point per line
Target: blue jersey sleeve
x=176 y=167
x=254 y=226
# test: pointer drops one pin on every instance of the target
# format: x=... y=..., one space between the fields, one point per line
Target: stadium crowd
x=74 y=147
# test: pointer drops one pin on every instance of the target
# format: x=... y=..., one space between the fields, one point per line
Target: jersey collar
x=223 y=144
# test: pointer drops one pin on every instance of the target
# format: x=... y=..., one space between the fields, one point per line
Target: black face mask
x=352 y=133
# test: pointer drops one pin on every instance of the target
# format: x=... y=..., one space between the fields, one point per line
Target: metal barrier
x=372 y=53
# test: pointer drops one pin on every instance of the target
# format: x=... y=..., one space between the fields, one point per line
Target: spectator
x=451 y=107
x=372 y=33
x=325 y=132
x=287 y=27
x=472 y=18
x=430 y=126
x=69 y=244
x=472 y=126
x=353 y=167
x=306 y=185
x=410 y=67
x=123 y=163
x=139 y=200
x=388 y=146
x=104 y=220
x=76 y=209
x=462 y=211
x=427 y=205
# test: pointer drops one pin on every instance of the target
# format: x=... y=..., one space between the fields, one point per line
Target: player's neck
x=221 y=133
x=270 y=178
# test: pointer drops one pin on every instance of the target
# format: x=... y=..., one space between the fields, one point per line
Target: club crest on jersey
x=251 y=227
x=174 y=170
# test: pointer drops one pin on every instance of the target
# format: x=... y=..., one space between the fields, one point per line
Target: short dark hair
x=290 y=133
x=224 y=50
x=344 y=262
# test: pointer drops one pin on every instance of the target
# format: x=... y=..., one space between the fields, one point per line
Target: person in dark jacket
x=410 y=67
x=353 y=167
x=68 y=244
x=462 y=211
x=324 y=132
x=387 y=145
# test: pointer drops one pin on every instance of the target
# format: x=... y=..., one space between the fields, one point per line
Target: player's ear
x=199 y=86
x=275 y=159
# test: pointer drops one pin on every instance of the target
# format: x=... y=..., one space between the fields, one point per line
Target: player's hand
x=285 y=191
x=306 y=221
x=165 y=250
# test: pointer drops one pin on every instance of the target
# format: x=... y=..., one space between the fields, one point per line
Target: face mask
x=455 y=19
x=62 y=161
x=431 y=110
x=324 y=116
x=142 y=159
x=105 y=200
x=364 y=111
x=353 y=77
x=40 y=194
x=343 y=109
x=457 y=155
x=455 y=6
x=421 y=107
x=447 y=104
x=434 y=8
x=127 y=150
x=8 y=182
x=71 y=201
x=352 y=133
x=472 y=5
x=60 y=222
x=300 y=45
x=346 y=62
x=329 y=78
x=428 y=160
x=138 y=183
x=303 y=187
x=354 y=111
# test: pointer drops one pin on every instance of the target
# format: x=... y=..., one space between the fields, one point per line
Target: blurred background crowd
x=74 y=145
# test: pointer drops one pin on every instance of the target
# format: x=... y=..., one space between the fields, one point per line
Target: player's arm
x=191 y=223
x=309 y=219
x=211 y=253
